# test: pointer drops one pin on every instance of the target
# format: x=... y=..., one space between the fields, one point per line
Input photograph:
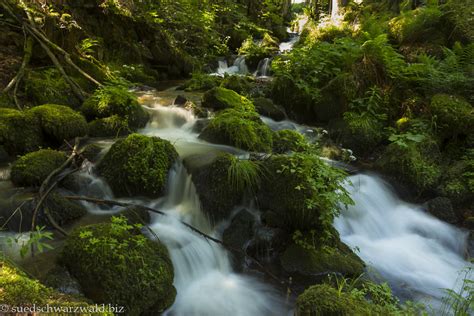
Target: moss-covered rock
x=91 y=152
x=138 y=165
x=453 y=115
x=115 y=100
x=302 y=191
x=18 y=289
x=48 y=86
x=113 y=262
x=256 y=50
x=210 y=175
x=239 y=232
x=112 y=126
x=322 y=299
x=59 y=122
x=308 y=263
x=240 y=129
x=442 y=208
x=239 y=84
x=221 y=98
x=411 y=164
x=287 y=141
x=33 y=168
x=201 y=82
x=20 y=132
x=266 y=107
x=63 y=210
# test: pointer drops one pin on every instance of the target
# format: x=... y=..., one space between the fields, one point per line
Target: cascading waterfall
x=239 y=67
x=204 y=279
x=263 y=68
x=335 y=16
x=418 y=254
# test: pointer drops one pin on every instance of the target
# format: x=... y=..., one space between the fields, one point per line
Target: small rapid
x=418 y=254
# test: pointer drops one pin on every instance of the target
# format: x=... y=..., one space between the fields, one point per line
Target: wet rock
x=442 y=208
x=61 y=280
x=266 y=107
x=180 y=100
x=267 y=243
x=238 y=234
x=137 y=215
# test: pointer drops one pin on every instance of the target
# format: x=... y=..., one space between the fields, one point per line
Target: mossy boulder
x=114 y=262
x=287 y=140
x=266 y=107
x=115 y=100
x=33 y=168
x=112 y=126
x=221 y=98
x=413 y=164
x=91 y=152
x=20 y=132
x=63 y=210
x=138 y=165
x=240 y=129
x=48 y=86
x=453 y=115
x=239 y=232
x=59 y=122
x=18 y=289
x=314 y=263
x=239 y=84
x=302 y=191
x=442 y=208
x=256 y=50
x=324 y=300
x=210 y=175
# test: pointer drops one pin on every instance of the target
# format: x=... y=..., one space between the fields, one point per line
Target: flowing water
x=263 y=68
x=418 y=254
x=238 y=67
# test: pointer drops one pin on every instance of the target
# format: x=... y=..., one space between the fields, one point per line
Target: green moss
x=221 y=98
x=453 y=115
x=457 y=180
x=411 y=164
x=239 y=84
x=115 y=263
x=115 y=100
x=288 y=140
x=63 y=210
x=202 y=82
x=239 y=129
x=423 y=24
x=361 y=132
x=303 y=191
x=266 y=107
x=324 y=300
x=20 y=132
x=217 y=194
x=136 y=215
x=60 y=123
x=112 y=126
x=33 y=168
x=312 y=262
x=17 y=289
x=91 y=152
x=48 y=86
x=138 y=165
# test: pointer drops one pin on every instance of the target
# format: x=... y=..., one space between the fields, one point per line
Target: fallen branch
x=28 y=52
x=194 y=229
x=46 y=188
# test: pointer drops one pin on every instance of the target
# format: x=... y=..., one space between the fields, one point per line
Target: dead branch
x=194 y=229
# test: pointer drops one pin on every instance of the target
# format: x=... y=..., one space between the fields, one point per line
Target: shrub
x=33 y=168
x=255 y=51
x=114 y=262
x=20 y=132
x=303 y=191
x=239 y=129
x=138 y=165
x=115 y=99
x=59 y=122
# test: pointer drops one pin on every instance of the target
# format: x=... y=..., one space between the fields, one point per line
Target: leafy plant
x=245 y=174
x=36 y=241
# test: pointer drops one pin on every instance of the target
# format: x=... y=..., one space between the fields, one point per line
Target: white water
x=239 y=67
x=335 y=14
x=204 y=279
x=418 y=254
x=263 y=68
